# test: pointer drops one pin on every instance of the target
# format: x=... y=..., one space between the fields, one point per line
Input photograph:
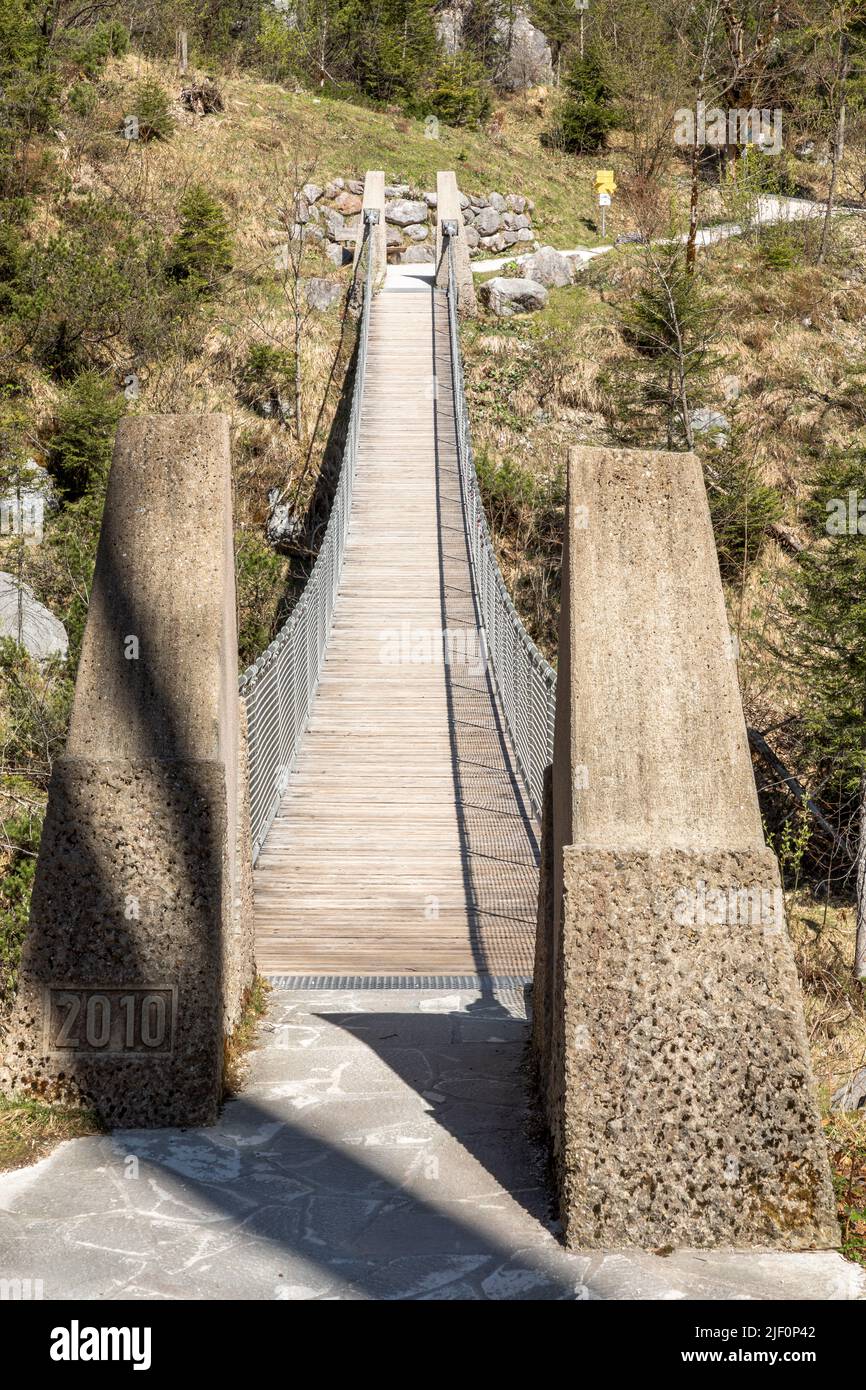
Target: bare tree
x=860 y=943
x=833 y=55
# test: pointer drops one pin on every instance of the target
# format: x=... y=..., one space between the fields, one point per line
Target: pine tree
x=827 y=602
x=587 y=111
x=202 y=250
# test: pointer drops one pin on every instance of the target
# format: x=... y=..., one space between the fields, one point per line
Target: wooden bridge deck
x=404 y=843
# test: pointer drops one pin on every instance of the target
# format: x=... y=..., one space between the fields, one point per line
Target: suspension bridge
x=405 y=798
x=396 y=793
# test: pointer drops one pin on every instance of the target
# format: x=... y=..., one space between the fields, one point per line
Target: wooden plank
x=404 y=790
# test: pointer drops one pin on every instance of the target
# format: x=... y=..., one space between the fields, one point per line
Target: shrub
x=201 y=253
x=80 y=450
x=90 y=49
x=99 y=282
x=152 y=109
x=261 y=586
x=460 y=94
x=21 y=835
x=266 y=381
x=742 y=510
x=780 y=247
x=587 y=111
x=83 y=99
x=12 y=261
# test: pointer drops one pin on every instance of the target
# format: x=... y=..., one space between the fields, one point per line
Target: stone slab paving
x=381 y=1150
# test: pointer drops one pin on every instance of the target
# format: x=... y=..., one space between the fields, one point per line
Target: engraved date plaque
x=134 y=1022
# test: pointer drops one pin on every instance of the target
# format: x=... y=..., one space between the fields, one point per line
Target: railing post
x=448 y=210
x=372 y=217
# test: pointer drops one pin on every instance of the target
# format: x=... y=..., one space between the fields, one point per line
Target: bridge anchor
x=139 y=949
x=668 y=1030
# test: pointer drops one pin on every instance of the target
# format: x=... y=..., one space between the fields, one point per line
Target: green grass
x=238 y=1045
x=29 y=1130
x=348 y=139
x=846 y=1140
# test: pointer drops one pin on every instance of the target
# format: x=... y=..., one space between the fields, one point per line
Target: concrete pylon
x=668 y=1032
x=373 y=201
x=140 y=942
x=448 y=209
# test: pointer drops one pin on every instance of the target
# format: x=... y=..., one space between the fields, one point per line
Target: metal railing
x=525 y=682
x=280 y=687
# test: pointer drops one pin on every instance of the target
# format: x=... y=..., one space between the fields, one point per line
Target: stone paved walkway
x=380 y=1151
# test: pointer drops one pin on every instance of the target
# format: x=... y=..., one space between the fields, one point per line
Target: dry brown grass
x=823 y=936
x=239 y=1044
x=30 y=1130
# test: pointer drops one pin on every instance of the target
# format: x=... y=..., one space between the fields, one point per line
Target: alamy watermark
x=698 y=905
x=22 y=515
x=847 y=515
x=721 y=129
x=408 y=645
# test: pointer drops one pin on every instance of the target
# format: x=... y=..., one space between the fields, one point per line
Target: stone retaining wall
x=495 y=222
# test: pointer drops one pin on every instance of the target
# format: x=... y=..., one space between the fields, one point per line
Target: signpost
x=605 y=187
x=581 y=6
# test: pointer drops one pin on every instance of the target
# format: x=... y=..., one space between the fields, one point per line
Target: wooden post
x=181 y=50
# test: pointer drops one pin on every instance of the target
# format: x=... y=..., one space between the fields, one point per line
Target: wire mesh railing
x=524 y=680
x=280 y=687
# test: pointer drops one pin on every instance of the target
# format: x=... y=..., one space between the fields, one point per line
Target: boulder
x=714 y=426
x=397 y=190
x=529 y=61
x=334 y=221
x=463 y=201
x=487 y=222
x=418 y=232
x=497 y=201
x=29 y=622
x=525 y=234
x=472 y=238
x=282 y=526
x=515 y=203
x=349 y=204
x=548 y=267
x=417 y=255
x=334 y=252
x=449 y=29
x=493 y=243
x=393 y=236
x=506 y=296
x=312 y=192
x=430 y=199
x=851 y=1096
x=356 y=186
x=321 y=294
x=522 y=221
x=406 y=212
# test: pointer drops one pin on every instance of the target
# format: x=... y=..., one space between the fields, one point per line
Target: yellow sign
x=605 y=181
